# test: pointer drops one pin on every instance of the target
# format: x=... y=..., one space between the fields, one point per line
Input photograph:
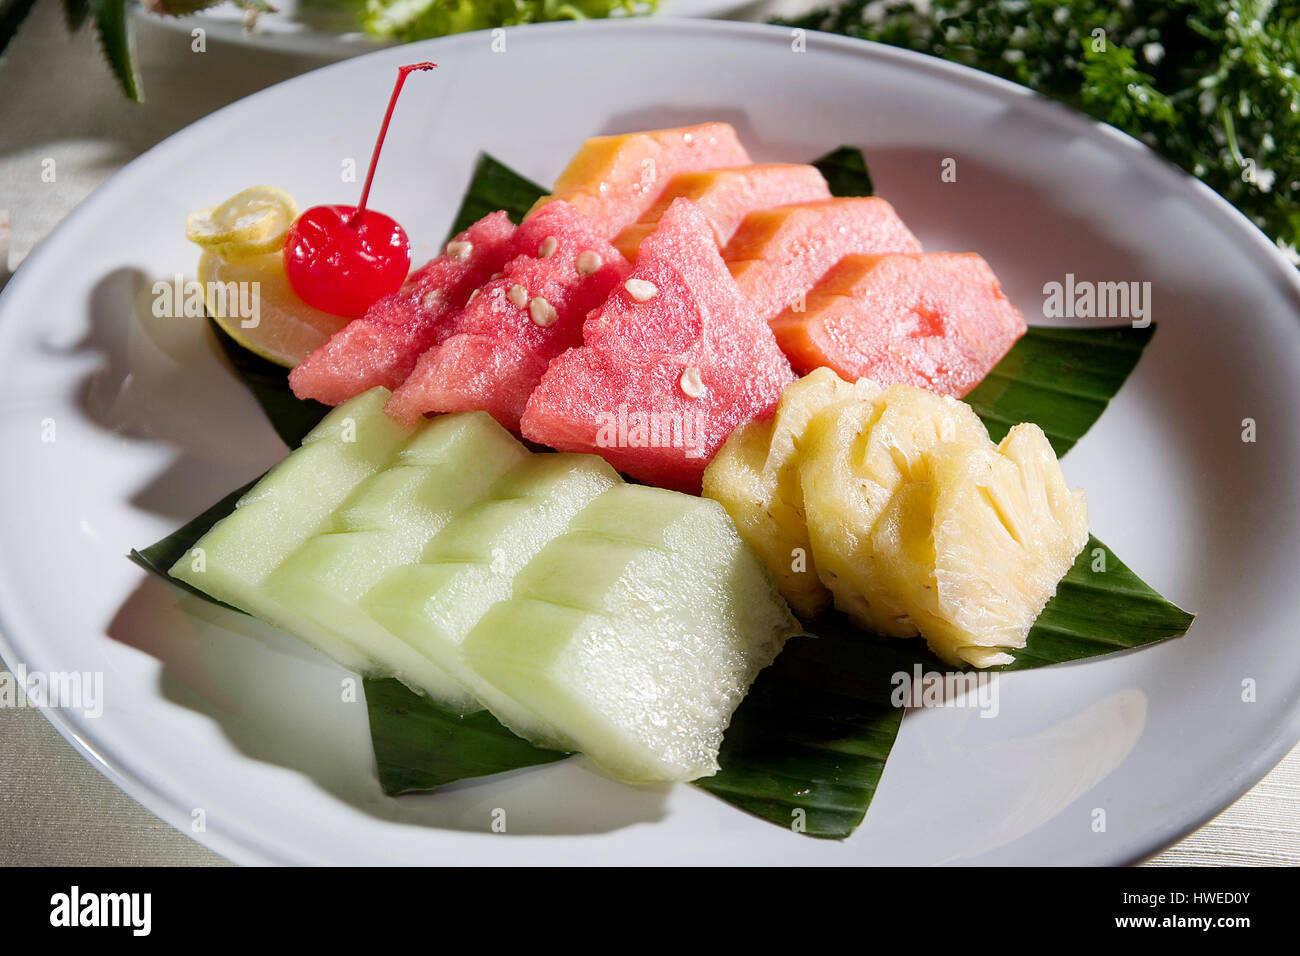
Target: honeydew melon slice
x=293 y=502
x=471 y=565
x=635 y=635
x=387 y=522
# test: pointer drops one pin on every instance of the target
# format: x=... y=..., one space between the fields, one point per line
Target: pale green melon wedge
x=292 y=502
x=636 y=634
x=387 y=522
x=471 y=565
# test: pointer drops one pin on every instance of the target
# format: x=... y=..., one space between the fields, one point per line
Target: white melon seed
x=518 y=295
x=692 y=384
x=541 y=312
x=548 y=247
x=472 y=296
x=460 y=250
x=431 y=299
x=640 y=289
x=588 y=262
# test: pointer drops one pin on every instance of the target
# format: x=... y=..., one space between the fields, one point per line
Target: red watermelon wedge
x=500 y=344
x=671 y=363
x=777 y=255
x=382 y=347
x=937 y=320
x=727 y=196
x=612 y=180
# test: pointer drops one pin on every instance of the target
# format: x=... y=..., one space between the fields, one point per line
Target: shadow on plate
x=279 y=703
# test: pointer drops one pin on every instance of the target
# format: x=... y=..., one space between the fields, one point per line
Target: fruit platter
x=678 y=482
x=581 y=478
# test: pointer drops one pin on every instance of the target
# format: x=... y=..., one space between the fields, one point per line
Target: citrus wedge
x=250 y=223
x=251 y=299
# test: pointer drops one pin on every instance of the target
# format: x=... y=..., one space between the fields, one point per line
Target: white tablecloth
x=57 y=101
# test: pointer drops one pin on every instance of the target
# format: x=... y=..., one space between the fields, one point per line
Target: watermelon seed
x=641 y=290
x=588 y=262
x=518 y=295
x=472 y=296
x=541 y=312
x=547 y=248
x=460 y=250
x=692 y=384
x=431 y=299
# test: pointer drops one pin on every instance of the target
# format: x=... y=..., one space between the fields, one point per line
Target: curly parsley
x=1210 y=84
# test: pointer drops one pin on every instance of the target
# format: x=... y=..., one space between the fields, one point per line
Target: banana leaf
x=1061 y=379
x=421 y=747
x=291 y=417
x=492 y=186
x=806 y=748
x=810 y=741
x=846 y=173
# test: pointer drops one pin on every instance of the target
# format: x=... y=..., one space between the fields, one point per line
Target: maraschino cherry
x=341 y=259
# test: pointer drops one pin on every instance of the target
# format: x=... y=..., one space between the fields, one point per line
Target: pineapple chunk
x=755 y=476
x=912 y=520
x=856 y=456
x=975 y=541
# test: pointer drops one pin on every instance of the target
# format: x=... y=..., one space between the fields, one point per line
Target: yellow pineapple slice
x=975 y=542
x=855 y=457
x=755 y=476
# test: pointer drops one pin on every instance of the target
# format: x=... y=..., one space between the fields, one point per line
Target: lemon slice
x=250 y=223
x=251 y=299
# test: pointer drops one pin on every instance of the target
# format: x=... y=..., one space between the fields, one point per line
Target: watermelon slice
x=381 y=347
x=613 y=180
x=671 y=363
x=936 y=320
x=727 y=196
x=778 y=255
x=502 y=341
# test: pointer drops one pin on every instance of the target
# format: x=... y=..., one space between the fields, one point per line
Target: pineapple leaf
x=110 y=24
x=12 y=15
x=807 y=746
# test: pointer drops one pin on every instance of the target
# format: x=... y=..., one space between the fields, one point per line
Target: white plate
x=310 y=29
x=209 y=711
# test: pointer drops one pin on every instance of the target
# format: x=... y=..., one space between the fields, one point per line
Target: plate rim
x=152 y=797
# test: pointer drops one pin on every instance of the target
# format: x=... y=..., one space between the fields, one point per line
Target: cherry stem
x=402 y=73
